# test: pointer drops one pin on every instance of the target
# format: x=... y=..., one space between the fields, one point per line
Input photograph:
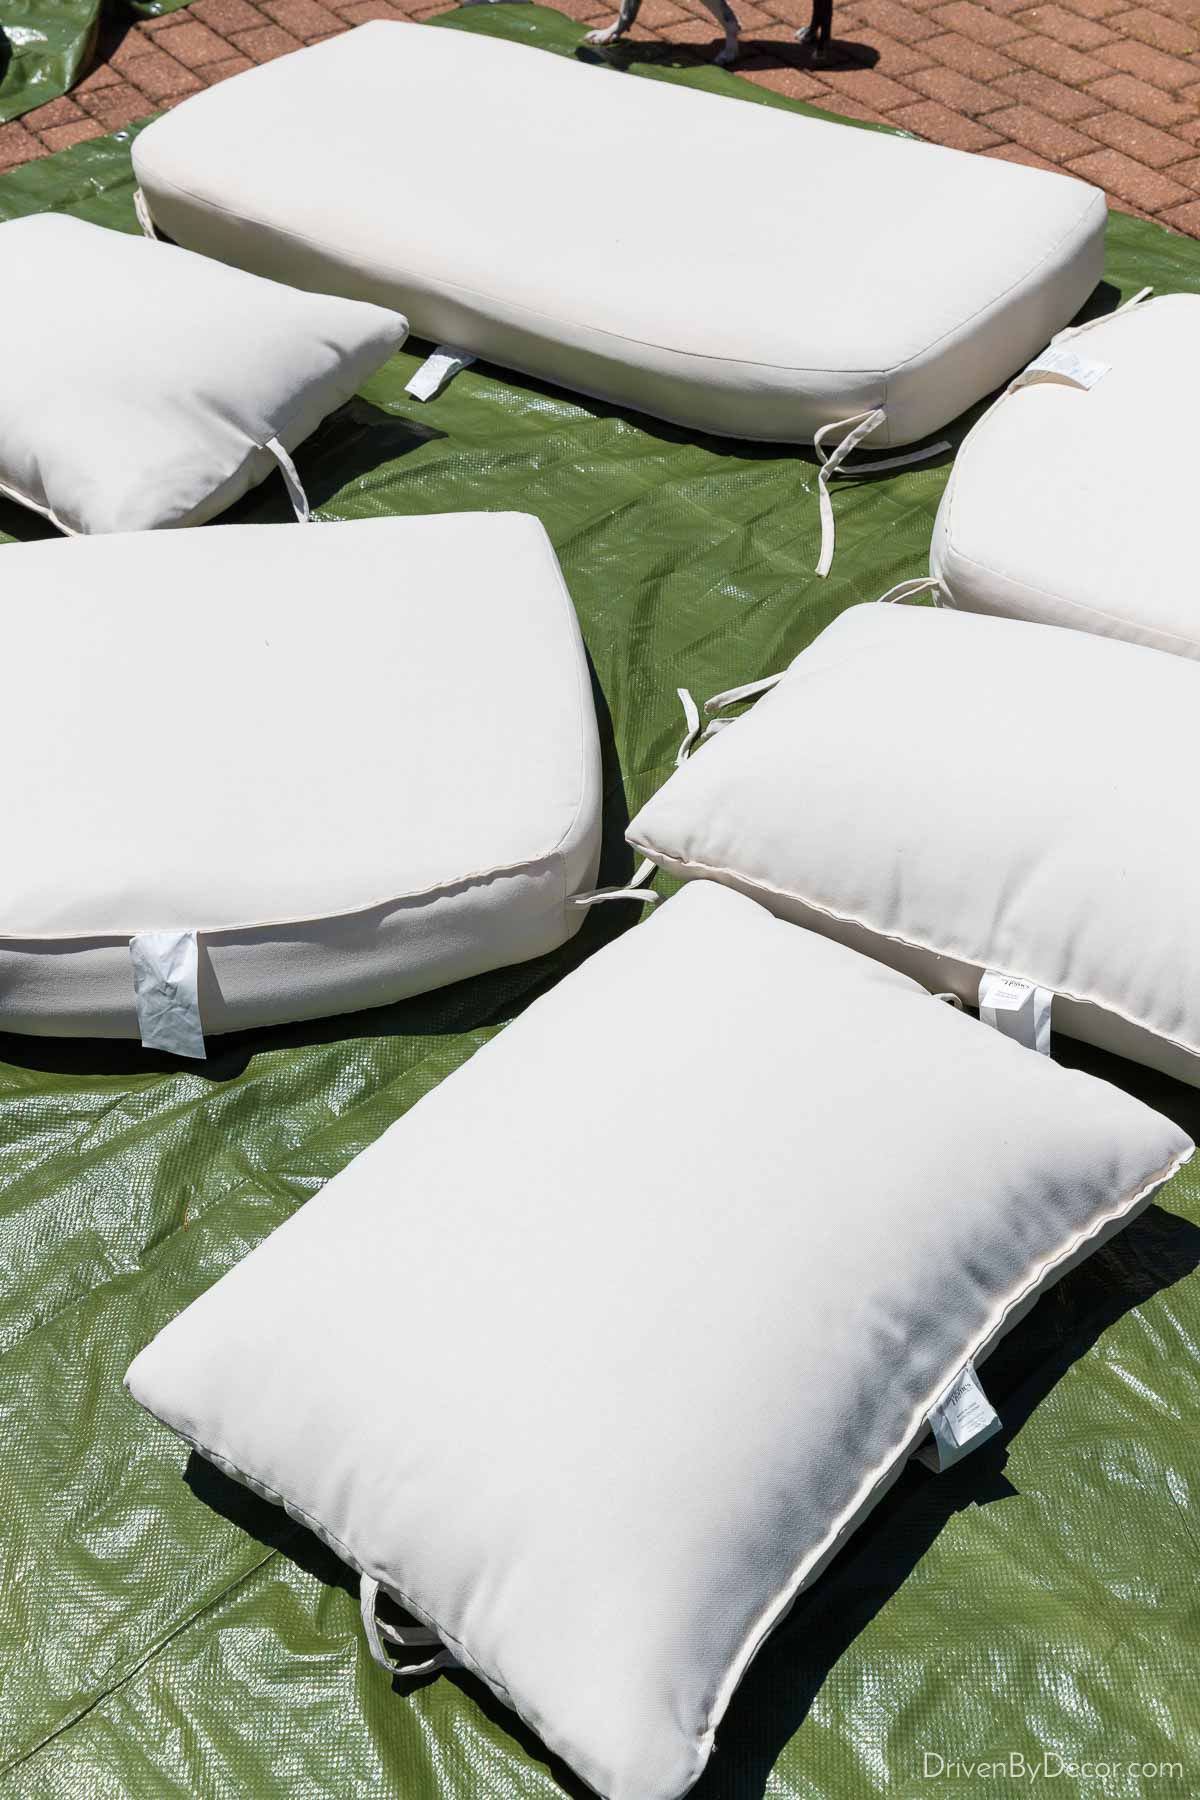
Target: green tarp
x=47 y=45
x=164 y=1633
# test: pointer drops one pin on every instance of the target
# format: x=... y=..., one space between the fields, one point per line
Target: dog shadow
x=1158 y=1250
x=753 y=53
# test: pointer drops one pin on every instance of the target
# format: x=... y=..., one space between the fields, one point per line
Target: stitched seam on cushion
x=499 y=871
x=769 y=1615
x=996 y=299
x=992 y=1331
x=893 y=937
x=1093 y=612
x=454 y=289
x=298 y=237
x=226 y=481
x=322 y=1531
x=1075 y=605
x=36 y=506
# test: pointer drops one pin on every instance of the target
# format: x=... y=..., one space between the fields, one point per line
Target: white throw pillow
x=680 y=1319
x=958 y=794
x=1072 y=501
x=347 y=764
x=188 y=384
x=855 y=272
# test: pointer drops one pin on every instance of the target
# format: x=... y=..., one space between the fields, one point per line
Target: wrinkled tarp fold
x=46 y=46
x=164 y=1632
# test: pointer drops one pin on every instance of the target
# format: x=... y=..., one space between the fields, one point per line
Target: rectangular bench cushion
x=726 y=266
x=162 y=411
x=954 y=793
x=597 y=1356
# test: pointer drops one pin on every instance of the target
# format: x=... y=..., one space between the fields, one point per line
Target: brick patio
x=1106 y=89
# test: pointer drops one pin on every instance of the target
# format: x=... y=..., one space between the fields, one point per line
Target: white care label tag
x=962 y=1419
x=165 y=970
x=436 y=371
x=1017 y=1009
x=1058 y=363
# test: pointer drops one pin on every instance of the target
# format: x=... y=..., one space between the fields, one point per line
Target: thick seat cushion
x=725 y=266
x=1074 y=504
x=954 y=794
x=161 y=411
x=676 y=1320
x=359 y=760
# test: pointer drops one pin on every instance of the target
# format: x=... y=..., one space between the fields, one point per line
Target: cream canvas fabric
x=955 y=793
x=854 y=271
x=1072 y=501
x=164 y=408
x=681 y=1318
x=359 y=760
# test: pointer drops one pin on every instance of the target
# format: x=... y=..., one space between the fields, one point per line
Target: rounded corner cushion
x=1113 y=553
x=858 y=270
x=360 y=761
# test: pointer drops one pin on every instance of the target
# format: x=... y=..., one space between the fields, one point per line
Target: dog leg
x=725 y=16
x=815 y=35
x=624 y=21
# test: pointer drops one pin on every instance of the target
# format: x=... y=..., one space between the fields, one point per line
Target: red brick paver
x=1107 y=89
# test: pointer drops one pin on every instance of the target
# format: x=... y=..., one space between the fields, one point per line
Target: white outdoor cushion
x=955 y=794
x=726 y=266
x=1075 y=505
x=680 y=1317
x=143 y=384
x=359 y=760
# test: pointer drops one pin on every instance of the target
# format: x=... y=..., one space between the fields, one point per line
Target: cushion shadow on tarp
x=164 y=1632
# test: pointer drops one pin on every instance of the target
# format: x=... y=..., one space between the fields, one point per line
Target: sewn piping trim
x=498 y=871
x=991 y=1331
x=458 y=289
x=665 y=859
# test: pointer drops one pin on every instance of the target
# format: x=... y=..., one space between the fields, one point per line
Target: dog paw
x=607 y=34
x=726 y=57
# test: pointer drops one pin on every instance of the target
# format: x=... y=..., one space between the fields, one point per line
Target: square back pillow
x=969 y=798
x=191 y=384
x=681 y=1319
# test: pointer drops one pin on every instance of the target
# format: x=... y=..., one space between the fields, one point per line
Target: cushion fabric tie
x=1074 y=331
x=291 y=480
x=908 y=590
x=165 y=991
x=407 y=1637
x=749 y=690
x=143 y=214
x=855 y=429
x=439 y=368
x=636 y=888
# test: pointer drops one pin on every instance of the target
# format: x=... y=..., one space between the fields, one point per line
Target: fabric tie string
x=291 y=481
x=143 y=215
x=854 y=429
x=407 y=1637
